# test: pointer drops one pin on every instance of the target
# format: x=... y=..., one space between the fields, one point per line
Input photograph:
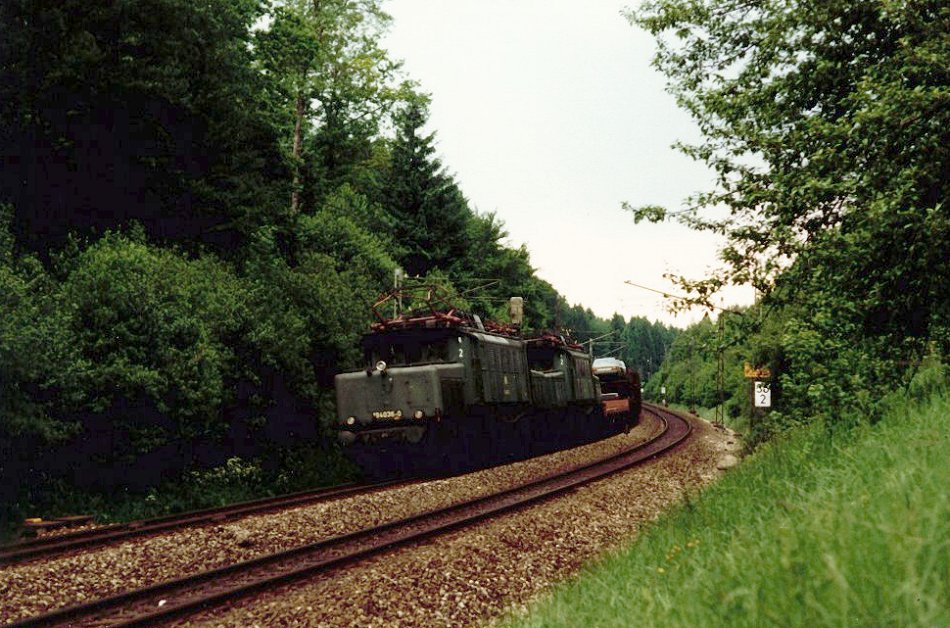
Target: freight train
x=620 y=385
x=443 y=392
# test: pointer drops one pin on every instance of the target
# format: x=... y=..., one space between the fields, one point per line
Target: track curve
x=167 y=600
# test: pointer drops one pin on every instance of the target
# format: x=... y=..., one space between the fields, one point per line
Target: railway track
x=165 y=601
x=84 y=539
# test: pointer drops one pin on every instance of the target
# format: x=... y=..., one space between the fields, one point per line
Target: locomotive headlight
x=381 y=366
x=418 y=414
x=351 y=420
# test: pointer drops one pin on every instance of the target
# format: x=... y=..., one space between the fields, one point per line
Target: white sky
x=549 y=114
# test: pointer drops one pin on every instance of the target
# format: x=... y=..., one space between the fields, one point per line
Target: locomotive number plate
x=387 y=414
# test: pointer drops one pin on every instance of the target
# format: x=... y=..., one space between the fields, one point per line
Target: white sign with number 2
x=763 y=394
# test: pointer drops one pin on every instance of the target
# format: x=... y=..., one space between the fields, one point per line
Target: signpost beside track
x=761 y=389
x=762 y=395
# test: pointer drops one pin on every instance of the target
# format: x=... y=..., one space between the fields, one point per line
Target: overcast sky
x=549 y=114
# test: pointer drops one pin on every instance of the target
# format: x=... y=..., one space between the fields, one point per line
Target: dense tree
x=147 y=110
x=429 y=213
x=290 y=55
x=362 y=87
x=828 y=125
x=646 y=344
x=331 y=83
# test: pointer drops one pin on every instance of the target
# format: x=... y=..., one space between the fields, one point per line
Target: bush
x=128 y=365
x=151 y=324
x=38 y=357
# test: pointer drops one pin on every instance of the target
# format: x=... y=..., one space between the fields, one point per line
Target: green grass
x=707 y=413
x=815 y=529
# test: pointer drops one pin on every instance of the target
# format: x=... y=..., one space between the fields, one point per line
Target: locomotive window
x=435 y=351
x=410 y=351
x=541 y=359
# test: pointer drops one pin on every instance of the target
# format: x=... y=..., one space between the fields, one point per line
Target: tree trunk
x=298 y=142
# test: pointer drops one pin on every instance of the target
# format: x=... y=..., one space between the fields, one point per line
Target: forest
x=200 y=201
x=198 y=204
x=827 y=125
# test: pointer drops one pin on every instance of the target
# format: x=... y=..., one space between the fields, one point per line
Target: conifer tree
x=428 y=211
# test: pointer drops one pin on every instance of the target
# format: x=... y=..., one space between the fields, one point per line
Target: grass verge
x=816 y=528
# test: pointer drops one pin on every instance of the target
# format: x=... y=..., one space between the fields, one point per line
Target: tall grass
x=821 y=529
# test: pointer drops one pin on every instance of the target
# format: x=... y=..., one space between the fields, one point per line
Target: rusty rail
x=82 y=539
x=175 y=598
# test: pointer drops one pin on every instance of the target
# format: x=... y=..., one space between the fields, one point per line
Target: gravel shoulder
x=45 y=584
x=475 y=574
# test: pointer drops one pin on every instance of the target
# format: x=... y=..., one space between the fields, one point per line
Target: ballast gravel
x=466 y=576
x=475 y=574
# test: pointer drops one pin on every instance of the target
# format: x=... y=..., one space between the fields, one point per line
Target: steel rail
x=45 y=546
x=166 y=600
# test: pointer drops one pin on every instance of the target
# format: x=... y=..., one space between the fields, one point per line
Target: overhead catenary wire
x=669 y=295
x=481 y=287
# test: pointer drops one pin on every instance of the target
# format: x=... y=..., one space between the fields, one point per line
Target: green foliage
x=217 y=485
x=348 y=202
x=816 y=374
x=37 y=353
x=7 y=241
x=930 y=380
x=650 y=213
x=303 y=467
x=818 y=528
x=429 y=213
x=330 y=84
x=308 y=316
x=149 y=322
x=689 y=369
x=645 y=345
x=355 y=249
x=143 y=110
x=827 y=124
x=139 y=348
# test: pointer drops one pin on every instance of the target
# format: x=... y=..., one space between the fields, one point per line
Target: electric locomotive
x=443 y=392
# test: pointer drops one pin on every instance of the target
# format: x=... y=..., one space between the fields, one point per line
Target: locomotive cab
x=417 y=375
x=405 y=348
x=560 y=374
x=411 y=376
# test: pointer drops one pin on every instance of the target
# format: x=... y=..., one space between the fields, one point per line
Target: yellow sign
x=762 y=372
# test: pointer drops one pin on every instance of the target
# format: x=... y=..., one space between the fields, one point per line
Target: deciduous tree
x=145 y=109
x=828 y=125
